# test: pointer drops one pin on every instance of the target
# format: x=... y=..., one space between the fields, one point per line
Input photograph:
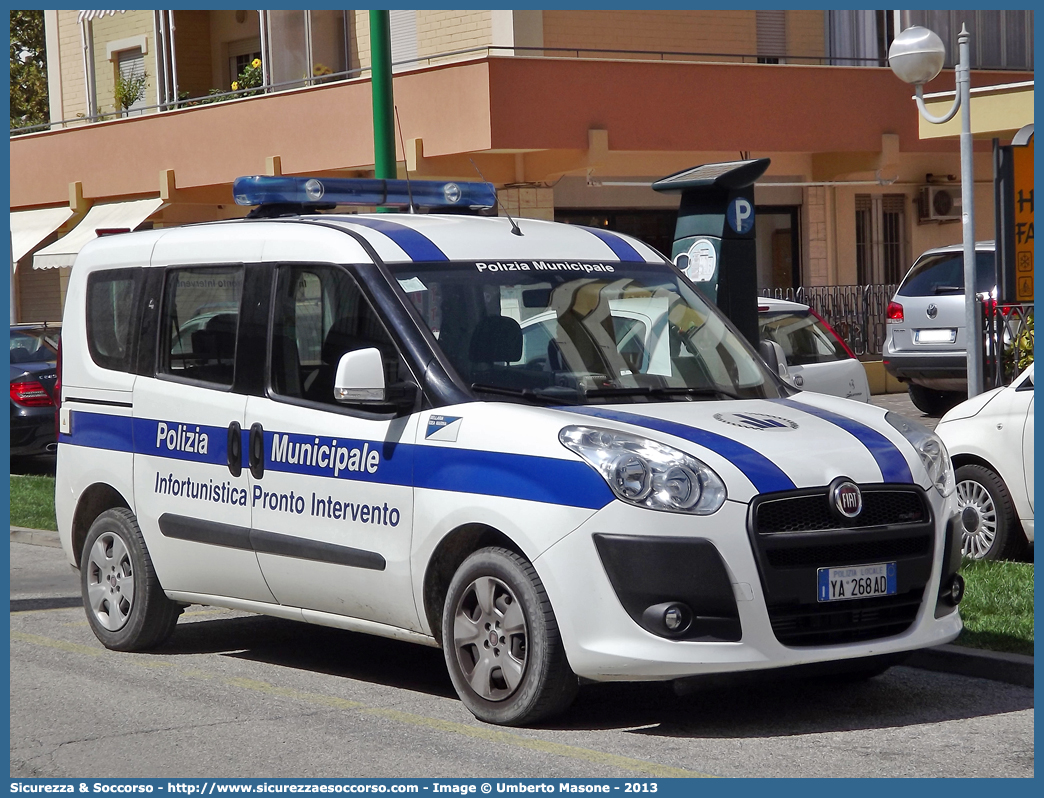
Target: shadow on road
x=753 y=706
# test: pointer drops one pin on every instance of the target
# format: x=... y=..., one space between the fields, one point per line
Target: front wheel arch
x=452 y=550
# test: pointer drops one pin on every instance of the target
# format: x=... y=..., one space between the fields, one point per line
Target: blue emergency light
x=278 y=190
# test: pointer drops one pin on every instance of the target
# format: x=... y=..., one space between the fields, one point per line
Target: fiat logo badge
x=847 y=498
x=932 y=311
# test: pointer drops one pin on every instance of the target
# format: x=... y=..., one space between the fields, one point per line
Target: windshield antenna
x=514 y=227
x=405 y=168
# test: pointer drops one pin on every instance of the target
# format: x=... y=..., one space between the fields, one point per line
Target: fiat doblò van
x=335 y=418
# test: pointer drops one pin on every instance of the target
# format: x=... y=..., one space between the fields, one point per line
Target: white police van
x=333 y=418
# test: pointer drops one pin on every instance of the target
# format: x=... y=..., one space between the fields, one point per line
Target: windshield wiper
x=649 y=390
x=523 y=393
x=948 y=289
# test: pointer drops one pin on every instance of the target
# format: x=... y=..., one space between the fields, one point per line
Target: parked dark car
x=34 y=357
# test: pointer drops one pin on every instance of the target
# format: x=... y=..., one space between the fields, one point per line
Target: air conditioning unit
x=940 y=203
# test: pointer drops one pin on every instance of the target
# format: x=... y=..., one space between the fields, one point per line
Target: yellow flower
x=235 y=85
x=255 y=63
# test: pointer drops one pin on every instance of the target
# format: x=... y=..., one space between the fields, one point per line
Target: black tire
x=991 y=530
x=125 y=605
x=931 y=402
x=537 y=682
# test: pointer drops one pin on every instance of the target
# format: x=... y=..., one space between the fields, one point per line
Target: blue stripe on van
x=541 y=479
x=100 y=431
x=619 y=246
x=765 y=475
x=417 y=245
x=514 y=476
x=890 y=460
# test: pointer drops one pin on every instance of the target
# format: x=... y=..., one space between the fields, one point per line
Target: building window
x=403 y=25
x=880 y=238
x=306 y=46
x=859 y=38
x=999 y=39
x=772 y=36
x=130 y=66
x=240 y=55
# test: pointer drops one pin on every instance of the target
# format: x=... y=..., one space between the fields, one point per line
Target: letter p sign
x=740 y=216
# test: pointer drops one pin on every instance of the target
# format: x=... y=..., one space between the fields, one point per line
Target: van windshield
x=582 y=332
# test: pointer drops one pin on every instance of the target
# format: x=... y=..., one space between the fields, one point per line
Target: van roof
x=405 y=238
x=433 y=237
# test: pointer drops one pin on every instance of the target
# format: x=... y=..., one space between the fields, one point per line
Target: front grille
x=847 y=621
x=865 y=552
x=795 y=534
x=808 y=512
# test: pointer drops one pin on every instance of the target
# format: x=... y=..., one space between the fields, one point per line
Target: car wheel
x=501 y=641
x=988 y=523
x=933 y=403
x=125 y=604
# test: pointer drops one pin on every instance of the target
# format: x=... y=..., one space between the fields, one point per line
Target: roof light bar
x=267 y=190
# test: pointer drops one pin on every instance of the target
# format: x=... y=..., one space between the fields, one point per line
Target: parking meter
x=714 y=241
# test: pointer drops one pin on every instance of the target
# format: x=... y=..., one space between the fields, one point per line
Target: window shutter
x=772 y=33
x=403 y=26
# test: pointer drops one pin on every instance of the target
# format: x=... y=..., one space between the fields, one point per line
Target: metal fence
x=857 y=312
x=1009 y=342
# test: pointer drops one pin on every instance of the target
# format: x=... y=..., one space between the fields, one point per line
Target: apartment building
x=571 y=113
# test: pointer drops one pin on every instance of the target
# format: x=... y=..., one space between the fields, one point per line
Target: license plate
x=935 y=336
x=857 y=581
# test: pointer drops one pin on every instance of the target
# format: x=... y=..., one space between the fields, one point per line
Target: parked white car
x=818 y=359
x=990 y=438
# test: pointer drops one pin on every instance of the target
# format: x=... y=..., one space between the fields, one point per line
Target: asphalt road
x=233 y=694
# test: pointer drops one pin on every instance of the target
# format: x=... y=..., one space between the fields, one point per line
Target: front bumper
x=605 y=640
x=32 y=431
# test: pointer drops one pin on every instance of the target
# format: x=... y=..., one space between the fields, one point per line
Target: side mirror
x=772 y=354
x=359 y=378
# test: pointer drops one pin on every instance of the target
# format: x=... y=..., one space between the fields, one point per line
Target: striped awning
x=29 y=228
x=88 y=15
x=112 y=216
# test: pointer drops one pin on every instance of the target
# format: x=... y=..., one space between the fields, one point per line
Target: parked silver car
x=926 y=345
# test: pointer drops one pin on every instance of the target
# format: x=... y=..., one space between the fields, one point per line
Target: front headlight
x=931 y=450
x=646 y=473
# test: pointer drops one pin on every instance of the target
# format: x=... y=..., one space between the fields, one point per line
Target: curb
x=35 y=537
x=1014 y=669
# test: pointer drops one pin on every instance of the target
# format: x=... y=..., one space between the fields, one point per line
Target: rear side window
x=200 y=324
x=111 y=317
x=937 y=275
x=802 y=337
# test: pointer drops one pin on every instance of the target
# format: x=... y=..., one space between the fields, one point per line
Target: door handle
x=235 y=449
x=257 y=450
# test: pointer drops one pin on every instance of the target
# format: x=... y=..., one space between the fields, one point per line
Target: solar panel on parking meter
x=714 y=240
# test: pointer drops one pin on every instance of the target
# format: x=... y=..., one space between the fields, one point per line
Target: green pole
x=383 y=104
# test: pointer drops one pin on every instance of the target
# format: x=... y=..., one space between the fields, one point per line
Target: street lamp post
x=916 y=56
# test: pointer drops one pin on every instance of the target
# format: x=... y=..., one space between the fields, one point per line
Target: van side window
x=200 y=322
x=321 y=313
x=110 y=316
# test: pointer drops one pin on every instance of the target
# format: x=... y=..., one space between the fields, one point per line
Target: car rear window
x=30 y=346
x=803 y=338
x=936 y=275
